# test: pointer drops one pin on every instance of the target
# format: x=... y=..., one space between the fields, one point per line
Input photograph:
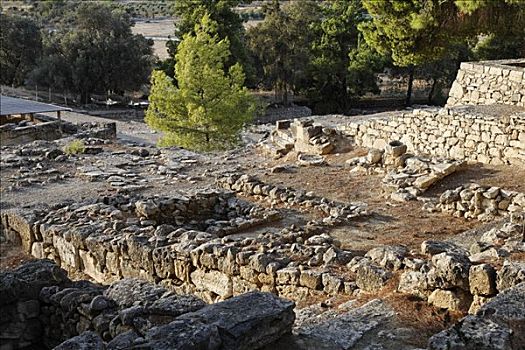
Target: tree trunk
x=285 y=95
x=432 y=90
x=409 y=87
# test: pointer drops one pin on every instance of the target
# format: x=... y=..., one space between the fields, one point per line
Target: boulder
x=449 y=270
x=454 y=300
x=371 y=278
x=184 y=334
x=390 y=257
x=512 y=273
x=85 y=341
x=498 y=325
x=414 y=283
x=472 y=333
x=249 y=321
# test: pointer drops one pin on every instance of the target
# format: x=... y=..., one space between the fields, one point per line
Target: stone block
x=214 y=281
x=249 y=321
x=482 y=280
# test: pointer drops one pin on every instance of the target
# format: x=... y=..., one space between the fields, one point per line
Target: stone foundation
x=51 y=129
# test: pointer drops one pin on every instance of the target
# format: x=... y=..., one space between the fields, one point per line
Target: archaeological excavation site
x=388 y=231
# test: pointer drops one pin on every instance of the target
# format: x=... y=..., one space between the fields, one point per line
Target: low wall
x=44 y=131
x=53 y=130
x=487 y=134
x=489 y=82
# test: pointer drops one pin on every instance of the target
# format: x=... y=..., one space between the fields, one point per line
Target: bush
x=74 y=147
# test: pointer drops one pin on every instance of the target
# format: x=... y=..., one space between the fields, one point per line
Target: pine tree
x=209 y=106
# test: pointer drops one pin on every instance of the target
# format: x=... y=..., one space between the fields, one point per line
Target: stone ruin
x=48 y=129
x=302 y=135
x=43 y=308
x=232 y=262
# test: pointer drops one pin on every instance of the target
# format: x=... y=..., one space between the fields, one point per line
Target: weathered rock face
x=449 y=270
x=371 y=278
x=499 y=324
x=20 y=326
x=249 y=321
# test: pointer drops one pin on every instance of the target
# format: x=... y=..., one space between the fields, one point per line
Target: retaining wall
x=489 y=82
x=494 y=136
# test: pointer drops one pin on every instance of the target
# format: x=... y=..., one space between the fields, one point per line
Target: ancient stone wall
x=10 y=134
x=42 y=308
x=489 y=82
x=487 y=135
x=43 y=131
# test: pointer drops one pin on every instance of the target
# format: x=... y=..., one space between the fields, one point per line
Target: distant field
x=162 y=29
x=158 y=30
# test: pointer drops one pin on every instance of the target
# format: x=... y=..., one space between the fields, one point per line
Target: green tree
x=99 y=54
x=20 y=48
x=209 y=107
x=229 y=25
x=342 y=64
x=281 y=46
x=412 y=32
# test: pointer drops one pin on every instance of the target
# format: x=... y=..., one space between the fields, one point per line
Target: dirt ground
x=390 y=222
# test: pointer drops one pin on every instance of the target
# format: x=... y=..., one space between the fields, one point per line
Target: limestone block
x=482 y=280
x=288 y=275
x=454 y=300
x=311 y=279
x=371 y=278
x=214 y=281
x=248 y=321
x=67 y=252
x=414 y=283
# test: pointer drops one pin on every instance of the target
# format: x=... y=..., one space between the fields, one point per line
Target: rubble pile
x=408 y=176
x=302 y=135
x=481 y=202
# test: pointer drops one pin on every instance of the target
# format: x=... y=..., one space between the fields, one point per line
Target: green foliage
x=74 y=147
x=281 y=46
x=495 y=47
x=209 y=106
x=20 y=49
x=342 y=65
x=229 y=25
x=410 y=31
x=98 y=54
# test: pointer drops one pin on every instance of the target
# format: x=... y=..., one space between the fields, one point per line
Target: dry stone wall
x=489 y=82
x=463 y=133
x=41 y=308
x=120 y=236
x=12 y=134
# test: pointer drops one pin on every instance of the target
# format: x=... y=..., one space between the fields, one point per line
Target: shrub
x=74 y=147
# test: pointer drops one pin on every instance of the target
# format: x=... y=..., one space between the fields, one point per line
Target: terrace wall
x=462 y=132
x=489 y=82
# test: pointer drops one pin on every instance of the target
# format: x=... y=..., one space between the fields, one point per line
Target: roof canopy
x=11 y=106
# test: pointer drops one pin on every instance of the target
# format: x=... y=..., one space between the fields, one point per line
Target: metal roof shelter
x=14 y=106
